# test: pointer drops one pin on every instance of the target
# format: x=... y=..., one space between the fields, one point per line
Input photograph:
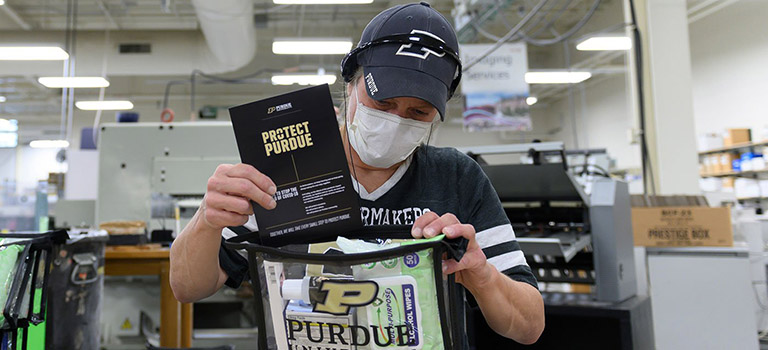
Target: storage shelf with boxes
x=746 y=157
x=734 y=163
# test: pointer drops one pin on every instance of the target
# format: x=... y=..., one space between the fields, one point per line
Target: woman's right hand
x=230 y=190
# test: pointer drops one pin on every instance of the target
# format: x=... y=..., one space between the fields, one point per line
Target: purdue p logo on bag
x=359 y=300
x=341 y=295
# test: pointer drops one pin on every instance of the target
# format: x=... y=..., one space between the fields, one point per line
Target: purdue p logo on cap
x=419 y=52
x=412 y=50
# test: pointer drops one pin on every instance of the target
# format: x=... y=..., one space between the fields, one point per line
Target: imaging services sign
x=495 y=89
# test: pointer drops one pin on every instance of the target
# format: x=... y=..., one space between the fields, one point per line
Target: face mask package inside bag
x=353 y=294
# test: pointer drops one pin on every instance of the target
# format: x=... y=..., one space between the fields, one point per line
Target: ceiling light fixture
x=605 y=43
x=303 y=79
x=556 y=77
x=3 y=99
x=32 y=53
x=9 y=139
x=49 y=144
x=115 y=105
x=307 y=46
x=73 y=82
x=531 y=100
x=2 y=2
x=7 y=125
x=321 y=2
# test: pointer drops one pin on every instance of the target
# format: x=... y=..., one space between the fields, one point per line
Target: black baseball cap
x=400 y=69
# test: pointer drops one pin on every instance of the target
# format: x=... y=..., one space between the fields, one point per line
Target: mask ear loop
x=349 y=144
x=429 y=136
x=426 y=155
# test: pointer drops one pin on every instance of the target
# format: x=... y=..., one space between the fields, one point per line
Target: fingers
x=234 y=204
x=430 y=225
x=459 y=230
x=243 y=180
x=220 y=218
x=421 y=222
x=230 y=188
x=244 y=188
x=450 y=266
x=435 y=227
x=250 y=173
x=473 y=259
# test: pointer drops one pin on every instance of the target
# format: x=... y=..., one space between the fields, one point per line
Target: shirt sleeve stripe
x=232 y=231
x=501 y=248
x=227 y=233
x=522 y=273
x=495 y=235
x=252 y=225
x=508 y=260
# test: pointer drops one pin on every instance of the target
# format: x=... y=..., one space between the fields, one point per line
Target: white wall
x=27 y=166
x=730 y=74
x=34 y=164
x=609 y=120
x=7 y=164
x=82 y=178
x=602 y=121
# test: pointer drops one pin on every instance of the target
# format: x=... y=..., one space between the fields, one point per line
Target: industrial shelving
x=749 y=173
x=751 y=199
x=736 y=147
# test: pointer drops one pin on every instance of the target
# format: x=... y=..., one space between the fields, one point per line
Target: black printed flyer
x=294 y=139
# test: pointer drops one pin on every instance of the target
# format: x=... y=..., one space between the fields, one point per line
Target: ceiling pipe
x=704 y=9
x=229 y=30
x=108 y=15
x=15 y=17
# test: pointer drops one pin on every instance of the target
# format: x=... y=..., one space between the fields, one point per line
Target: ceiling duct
x=228 y=29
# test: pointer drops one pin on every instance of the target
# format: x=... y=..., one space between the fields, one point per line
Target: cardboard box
x=710 y=141
x=737 y=136
x=726 y=162
x=713 y=164
x=682 y=226
x=707 y=166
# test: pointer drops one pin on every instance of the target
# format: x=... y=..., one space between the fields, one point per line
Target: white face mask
x=384 y=139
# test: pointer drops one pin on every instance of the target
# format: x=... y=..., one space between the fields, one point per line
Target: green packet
x=8 y=256
x=405 y=312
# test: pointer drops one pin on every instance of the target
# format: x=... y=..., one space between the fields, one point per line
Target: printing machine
x=148 y=169
x=571 y=236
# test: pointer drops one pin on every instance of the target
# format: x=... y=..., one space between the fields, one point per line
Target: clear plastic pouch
x=25 y=282
x=322 y=298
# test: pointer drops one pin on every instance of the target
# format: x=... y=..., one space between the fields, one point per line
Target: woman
x=399 y=79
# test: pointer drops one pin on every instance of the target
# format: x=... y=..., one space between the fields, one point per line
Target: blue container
x=127 y=117
x=736 y=165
